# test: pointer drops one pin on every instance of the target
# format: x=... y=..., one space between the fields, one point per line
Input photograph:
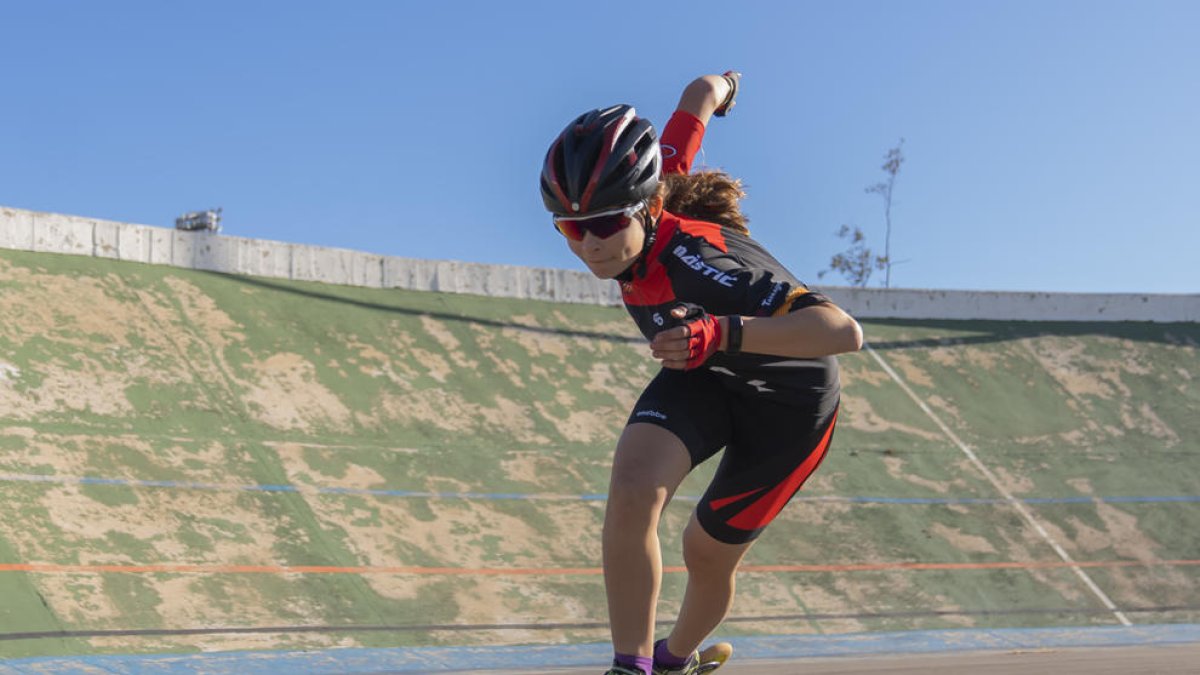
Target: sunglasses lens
x=600 y=226
x=607 y=226
x=569 y=229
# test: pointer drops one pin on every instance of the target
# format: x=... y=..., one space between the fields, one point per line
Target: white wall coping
x=75 y=235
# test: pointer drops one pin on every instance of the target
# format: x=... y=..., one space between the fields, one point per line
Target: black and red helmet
x=606 y=158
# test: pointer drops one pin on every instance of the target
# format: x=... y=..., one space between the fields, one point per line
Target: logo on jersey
x=697 y=263
x=771 y=296
x=658 y=318
x=650 y=413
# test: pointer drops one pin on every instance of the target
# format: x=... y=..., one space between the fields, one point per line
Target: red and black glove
x=704 y=333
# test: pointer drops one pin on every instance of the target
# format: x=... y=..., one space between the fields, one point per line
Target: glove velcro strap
x=704 y=337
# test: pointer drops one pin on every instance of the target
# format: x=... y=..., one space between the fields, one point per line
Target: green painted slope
x=205 y=384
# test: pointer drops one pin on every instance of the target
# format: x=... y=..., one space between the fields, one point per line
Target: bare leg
x=711 y=566
x=649 y=464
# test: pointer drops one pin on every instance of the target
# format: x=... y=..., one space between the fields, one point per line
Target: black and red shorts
x=771 y=447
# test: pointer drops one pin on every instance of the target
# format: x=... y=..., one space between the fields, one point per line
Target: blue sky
x=1049 y=145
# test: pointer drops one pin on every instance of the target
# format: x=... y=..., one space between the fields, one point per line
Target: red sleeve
x=681 y=141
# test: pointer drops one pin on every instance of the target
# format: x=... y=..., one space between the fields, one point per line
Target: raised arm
x=704 y=97
x=710 y=95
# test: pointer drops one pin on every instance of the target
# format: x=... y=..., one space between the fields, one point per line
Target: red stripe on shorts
x=720 y=503
x=765 y=508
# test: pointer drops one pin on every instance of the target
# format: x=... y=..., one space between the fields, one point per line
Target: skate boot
x=623 y=670
x=704 y=661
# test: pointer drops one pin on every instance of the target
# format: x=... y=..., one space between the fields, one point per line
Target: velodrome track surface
x=1169 y=648
x=1172 y=660
x=196 y=462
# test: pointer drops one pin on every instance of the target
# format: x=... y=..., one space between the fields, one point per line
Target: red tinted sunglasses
x=602 y=225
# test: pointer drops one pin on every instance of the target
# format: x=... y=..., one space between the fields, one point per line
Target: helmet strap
x=650 y=227
x=638 y=268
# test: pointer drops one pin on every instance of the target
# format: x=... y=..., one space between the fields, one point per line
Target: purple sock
x=646 y=663
x=664 y=657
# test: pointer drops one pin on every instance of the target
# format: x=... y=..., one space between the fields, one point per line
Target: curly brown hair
x=712 y=196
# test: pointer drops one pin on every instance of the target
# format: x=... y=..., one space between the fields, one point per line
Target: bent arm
x=807 y=333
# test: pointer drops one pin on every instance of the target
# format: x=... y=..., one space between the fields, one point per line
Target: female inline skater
x=746 y=352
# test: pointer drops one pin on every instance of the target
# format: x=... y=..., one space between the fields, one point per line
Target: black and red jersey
x=725 y=272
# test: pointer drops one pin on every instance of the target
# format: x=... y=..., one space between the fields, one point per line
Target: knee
x=705 y=556
x=634 y=493
x=699 y=554
x=647 y=467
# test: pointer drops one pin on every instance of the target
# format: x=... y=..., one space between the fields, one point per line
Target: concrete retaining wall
x=73 y=235
x=907 y=303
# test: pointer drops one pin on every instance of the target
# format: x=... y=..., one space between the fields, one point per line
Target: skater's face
x=608 y=256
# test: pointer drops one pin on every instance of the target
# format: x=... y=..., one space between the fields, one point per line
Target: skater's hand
x=732 y=78
x=710 y=95
x=687 y=346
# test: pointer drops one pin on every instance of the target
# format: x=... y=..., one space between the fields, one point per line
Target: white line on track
x=1008 y=496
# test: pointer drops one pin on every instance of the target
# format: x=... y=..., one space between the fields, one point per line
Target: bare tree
x=891 y=166
x=857 y=262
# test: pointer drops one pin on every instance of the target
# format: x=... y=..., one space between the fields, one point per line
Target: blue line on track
x=441 y=659
x=518 y=496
